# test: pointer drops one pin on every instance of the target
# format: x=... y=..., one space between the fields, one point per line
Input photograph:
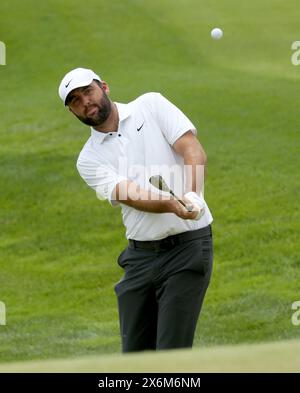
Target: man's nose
x=86 y=101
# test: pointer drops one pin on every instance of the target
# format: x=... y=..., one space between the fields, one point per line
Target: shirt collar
x=123 y=111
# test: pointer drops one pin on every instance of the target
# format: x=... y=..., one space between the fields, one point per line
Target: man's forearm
x=194 y=164
x=132 y=195
x=194 y=158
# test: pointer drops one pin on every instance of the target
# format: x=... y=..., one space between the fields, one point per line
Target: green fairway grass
x=270 y=357
x=59 y=244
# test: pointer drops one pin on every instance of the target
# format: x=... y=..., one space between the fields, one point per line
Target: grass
x=59 y=244
x=268 y=357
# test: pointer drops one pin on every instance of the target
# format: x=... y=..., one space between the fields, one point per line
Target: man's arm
x=131 y=194
x=188 y=147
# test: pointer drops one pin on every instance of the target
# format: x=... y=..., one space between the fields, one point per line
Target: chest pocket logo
x=139 y=128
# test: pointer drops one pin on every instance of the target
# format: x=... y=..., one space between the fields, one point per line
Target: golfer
x=168 y=260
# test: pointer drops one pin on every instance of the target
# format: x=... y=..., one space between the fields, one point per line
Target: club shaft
x=179 y=200
x=163 y=187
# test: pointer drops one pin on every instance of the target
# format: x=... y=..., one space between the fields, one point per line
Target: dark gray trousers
x=161 y=293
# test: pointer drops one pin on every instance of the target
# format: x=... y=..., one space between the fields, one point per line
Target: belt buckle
x=166 y=244
x=172 y=241
x=160 y=245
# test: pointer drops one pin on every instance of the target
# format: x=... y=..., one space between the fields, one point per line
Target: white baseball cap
x=78 y=77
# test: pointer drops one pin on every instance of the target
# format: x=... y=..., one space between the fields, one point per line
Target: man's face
x=90 y=104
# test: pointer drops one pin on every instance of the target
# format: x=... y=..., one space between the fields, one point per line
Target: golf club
x=158 y=182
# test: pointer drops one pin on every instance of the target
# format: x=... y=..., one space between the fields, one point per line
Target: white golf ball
x=216 y=33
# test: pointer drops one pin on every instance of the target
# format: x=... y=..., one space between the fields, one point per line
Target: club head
x=158 y=182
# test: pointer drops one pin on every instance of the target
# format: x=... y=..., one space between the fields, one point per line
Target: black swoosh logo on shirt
x=138 y=129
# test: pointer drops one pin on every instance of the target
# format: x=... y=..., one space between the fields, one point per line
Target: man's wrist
x=169 y=206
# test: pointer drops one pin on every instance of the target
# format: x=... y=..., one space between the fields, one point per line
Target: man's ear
x=105 y=87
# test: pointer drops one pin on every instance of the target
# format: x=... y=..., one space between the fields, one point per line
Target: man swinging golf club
x=168 y=261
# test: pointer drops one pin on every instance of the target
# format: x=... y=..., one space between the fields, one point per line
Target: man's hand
x=182 y=211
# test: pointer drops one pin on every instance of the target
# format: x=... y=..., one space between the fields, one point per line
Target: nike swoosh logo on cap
x=68 y=83
x=138 y=129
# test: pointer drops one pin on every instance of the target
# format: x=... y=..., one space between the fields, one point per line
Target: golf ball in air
x=216 y=33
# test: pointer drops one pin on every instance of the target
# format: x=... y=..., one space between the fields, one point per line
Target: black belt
x=170 y=241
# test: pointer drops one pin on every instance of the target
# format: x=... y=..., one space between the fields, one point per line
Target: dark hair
x=98 y=82
x=69 y=95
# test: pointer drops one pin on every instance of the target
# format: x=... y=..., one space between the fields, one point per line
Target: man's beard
x=102 y=113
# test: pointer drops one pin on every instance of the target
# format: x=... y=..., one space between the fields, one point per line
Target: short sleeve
x=171 y=120
x=102 y=178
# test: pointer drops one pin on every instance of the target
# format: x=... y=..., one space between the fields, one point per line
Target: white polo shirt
x=142 y=147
